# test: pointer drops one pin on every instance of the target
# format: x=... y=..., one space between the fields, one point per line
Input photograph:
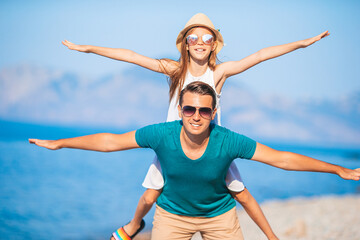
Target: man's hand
x=349 y=174
x=49 y=144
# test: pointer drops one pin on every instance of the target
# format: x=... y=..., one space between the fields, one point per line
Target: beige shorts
x=168 y=226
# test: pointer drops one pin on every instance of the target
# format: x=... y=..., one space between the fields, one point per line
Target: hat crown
x=200 y=19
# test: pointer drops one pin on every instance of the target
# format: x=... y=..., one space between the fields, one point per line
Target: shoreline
x=300 y=218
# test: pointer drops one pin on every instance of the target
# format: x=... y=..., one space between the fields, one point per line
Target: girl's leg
x=145 y=203
x=154 y=183
x=238 y=191
x=254 y=211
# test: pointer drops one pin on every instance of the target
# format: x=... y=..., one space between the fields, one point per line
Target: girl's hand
x=49 y=144
x=310 y=41
x=72 y=46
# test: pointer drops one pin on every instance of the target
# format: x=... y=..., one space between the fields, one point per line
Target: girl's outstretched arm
x=231 y=68
x=125 y=55
x=102 y=142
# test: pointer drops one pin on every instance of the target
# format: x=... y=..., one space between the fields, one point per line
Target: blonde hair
x=177 y=77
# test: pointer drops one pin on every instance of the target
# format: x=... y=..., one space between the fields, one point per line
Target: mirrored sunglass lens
x=207 y=39
x=188 y=111
x=205 y=112
x=192 y=39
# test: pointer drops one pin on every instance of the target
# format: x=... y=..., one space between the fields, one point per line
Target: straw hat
x=200 y=20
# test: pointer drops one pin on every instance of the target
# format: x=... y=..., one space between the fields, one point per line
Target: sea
x=76 y=194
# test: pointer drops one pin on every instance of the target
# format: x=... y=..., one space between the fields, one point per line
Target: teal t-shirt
x=195 y=187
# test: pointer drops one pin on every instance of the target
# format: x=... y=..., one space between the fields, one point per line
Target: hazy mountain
x=36 y=94
x=138 y=97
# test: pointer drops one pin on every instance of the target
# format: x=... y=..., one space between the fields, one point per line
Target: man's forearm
x=95 y=142
x=102 y=142
x=298 y=162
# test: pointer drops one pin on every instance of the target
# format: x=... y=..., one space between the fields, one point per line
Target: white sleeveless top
x=207 y=77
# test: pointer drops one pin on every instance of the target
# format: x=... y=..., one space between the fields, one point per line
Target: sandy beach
x=329 y=217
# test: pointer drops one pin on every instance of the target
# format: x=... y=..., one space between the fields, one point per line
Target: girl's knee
x=241 y=197
x=150 y=196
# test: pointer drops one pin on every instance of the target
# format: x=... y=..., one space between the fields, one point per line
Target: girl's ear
x=214 y=46
x=187 y=47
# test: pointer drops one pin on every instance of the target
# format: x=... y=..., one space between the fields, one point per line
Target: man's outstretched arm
x=297 y=162
x=102 y=142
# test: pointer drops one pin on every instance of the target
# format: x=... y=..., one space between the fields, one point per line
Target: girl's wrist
x=303 y=43
x=88 y=49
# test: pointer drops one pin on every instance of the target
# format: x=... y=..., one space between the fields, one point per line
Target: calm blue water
x=74 y=194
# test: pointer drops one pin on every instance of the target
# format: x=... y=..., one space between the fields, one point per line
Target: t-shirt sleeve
x=149 y=136
x=241 y=146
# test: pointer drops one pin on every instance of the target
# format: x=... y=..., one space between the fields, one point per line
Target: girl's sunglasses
x=204 y=112
x=192 y=39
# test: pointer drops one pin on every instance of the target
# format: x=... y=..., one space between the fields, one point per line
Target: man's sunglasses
x=192 y=39
x=204 y=112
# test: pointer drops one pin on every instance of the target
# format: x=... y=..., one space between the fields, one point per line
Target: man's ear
x=179 y=109
x=213 y=114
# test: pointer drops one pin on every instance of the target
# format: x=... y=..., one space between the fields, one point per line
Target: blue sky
x=42 y=81
x=32 y=32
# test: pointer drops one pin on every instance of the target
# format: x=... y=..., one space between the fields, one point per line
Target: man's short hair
x=201 y=88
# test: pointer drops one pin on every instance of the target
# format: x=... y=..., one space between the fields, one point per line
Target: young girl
x=199 y=42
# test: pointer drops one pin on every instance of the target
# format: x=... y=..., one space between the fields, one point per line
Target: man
x=195 y=156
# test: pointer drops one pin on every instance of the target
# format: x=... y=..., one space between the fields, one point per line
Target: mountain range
x=138 y=97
